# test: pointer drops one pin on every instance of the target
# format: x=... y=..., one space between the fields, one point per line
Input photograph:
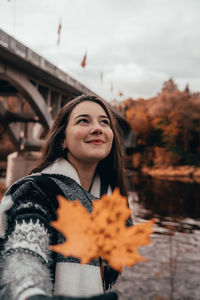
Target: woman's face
x=88 y=134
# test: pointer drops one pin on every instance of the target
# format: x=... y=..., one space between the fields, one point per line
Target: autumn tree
x=169 y=122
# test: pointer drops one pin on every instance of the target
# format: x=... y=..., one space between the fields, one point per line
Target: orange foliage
x=102 y=233
x=139 y=120
x=170 y=121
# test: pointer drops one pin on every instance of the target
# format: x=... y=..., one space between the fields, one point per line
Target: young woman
x=81 y=159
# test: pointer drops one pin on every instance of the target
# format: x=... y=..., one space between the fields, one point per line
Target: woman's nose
x=96 y=130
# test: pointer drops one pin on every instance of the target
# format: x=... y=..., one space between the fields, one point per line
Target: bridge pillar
x=19 y=164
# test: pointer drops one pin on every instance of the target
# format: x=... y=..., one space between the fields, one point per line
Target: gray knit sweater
x=28 y=267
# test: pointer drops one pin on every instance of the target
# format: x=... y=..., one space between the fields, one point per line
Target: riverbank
x=183 y=173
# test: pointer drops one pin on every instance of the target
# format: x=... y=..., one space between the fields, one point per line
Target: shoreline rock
x=184 y=173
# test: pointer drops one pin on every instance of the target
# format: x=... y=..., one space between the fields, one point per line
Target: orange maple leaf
x=102 y=233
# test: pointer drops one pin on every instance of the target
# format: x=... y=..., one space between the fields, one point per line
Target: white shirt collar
x=62 y=167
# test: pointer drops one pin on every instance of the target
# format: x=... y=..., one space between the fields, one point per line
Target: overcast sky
x=137 y=44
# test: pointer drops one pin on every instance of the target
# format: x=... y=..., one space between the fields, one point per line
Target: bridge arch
x=30 y=93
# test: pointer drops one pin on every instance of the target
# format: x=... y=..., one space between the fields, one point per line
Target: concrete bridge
x=32 y=91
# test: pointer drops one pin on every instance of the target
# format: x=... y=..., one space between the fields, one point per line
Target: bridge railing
x=14 y=46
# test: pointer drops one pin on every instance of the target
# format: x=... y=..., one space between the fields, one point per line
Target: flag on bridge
x=101 y=77
x=111 y=86
x=83 y=62
x=120 y=94
x=59 y=31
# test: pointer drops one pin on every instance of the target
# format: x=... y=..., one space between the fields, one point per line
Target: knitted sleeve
x=26 y=259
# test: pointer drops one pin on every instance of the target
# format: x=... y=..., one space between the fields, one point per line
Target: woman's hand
x=106 y=296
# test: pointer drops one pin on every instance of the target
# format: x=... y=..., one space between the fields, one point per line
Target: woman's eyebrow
x=86 y=116
x=81 y=116
x=104 y=116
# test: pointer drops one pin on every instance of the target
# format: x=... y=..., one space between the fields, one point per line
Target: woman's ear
x=64 y=148
x=64 y=144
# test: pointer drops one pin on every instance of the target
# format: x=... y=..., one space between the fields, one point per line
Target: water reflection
x=172 y=269
x=166 y=200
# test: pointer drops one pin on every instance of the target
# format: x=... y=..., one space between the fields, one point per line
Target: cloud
x=136 y=44
x=141 y=81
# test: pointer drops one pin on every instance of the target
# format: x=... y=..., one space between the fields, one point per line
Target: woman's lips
x=96 y=142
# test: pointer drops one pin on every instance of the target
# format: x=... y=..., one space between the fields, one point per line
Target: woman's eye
x=106 y=122
x=82 y=121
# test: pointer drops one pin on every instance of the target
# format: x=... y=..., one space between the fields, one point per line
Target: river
x=173 y=267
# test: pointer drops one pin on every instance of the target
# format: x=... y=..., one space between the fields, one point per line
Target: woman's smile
x=96 y=142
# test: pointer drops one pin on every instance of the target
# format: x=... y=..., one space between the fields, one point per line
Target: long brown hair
x=111 y=169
